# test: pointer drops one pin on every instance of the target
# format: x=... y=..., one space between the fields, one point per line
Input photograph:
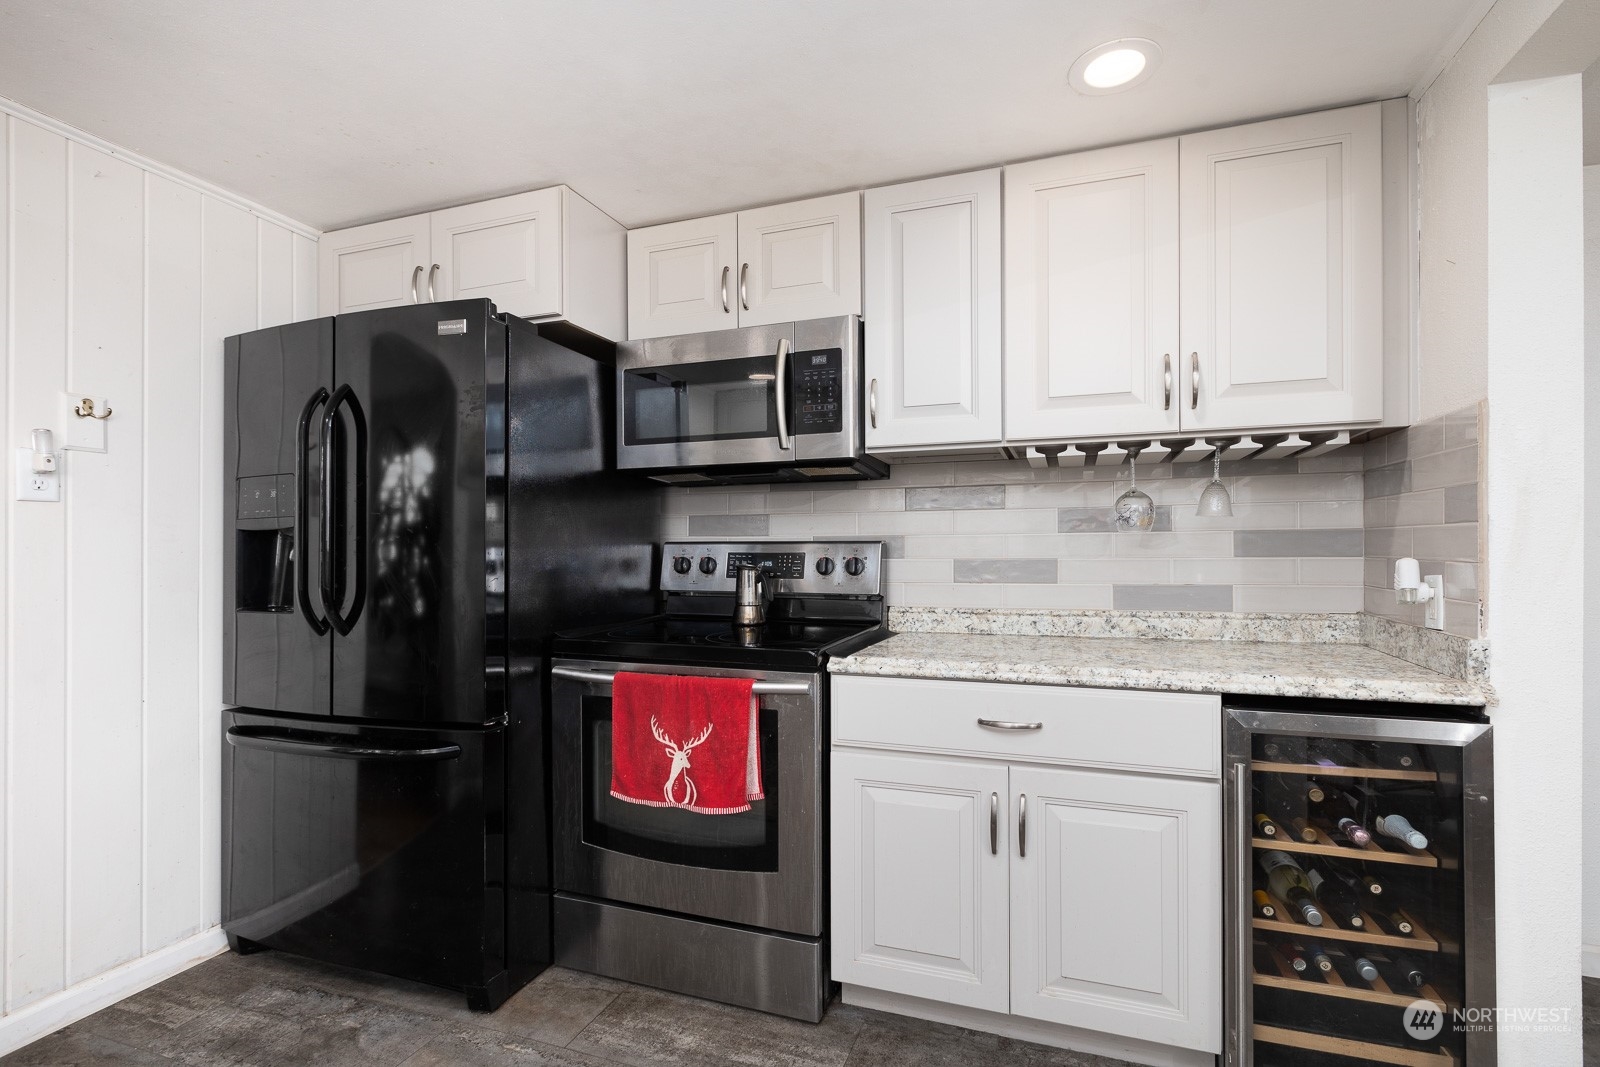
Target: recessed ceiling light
x=1114 y=66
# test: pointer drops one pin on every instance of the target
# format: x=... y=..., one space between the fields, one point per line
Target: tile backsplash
x=998 y=533
x=1422 y=499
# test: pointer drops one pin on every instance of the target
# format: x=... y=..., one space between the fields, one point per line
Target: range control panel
x=802 y=568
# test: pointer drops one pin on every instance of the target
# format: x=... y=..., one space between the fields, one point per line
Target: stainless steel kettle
x=752 y=592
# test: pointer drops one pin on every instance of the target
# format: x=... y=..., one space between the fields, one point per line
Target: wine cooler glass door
x=1361 y=898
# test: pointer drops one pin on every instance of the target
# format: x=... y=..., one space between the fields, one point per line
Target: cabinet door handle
x=1194 y=380
x=994 y=824
x=744 y=293
x=431 y=272
x=416 y=278
x=725 y=308
x=872 y=403
x=1022 y=825
x=1001 y=724
x=1166 y=381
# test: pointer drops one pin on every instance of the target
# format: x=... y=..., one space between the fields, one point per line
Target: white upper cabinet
x=376 y=266
x=1092 y=294
x=931 y=297
x=800 y=260
x=919 y=862
x=1116 y=905
x=754 y=268
x=508 y=250
x=541 y=255
x=680 y=277
x=1283 y=272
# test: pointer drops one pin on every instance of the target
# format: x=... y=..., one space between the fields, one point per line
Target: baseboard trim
x=1013 y=1026
x=26 y=1025
x=1591 y=961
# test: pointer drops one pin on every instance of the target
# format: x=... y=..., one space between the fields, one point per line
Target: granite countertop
x=1340 y=669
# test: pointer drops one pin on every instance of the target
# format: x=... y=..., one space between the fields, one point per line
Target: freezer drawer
x=381 y=849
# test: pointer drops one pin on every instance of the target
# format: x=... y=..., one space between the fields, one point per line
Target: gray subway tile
x=1386 y=481
x=1234 y=468
x=1172 y=597
x=1099 y=520
x=1461 y=427
x=1459 y=466
x=1029 y=571
x=1298 y=542
x=1424 y=439
x=955 y=497
x=1456 y=542
x=729 y=525
x=1461 y=503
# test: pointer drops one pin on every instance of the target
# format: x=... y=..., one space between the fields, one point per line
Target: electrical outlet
x=1433 y=617
x=32 y=485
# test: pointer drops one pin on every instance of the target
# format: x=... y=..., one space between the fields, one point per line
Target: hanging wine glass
x=1134 y=509
x=1215 y=503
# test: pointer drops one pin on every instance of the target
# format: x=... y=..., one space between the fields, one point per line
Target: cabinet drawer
x=1130 y=730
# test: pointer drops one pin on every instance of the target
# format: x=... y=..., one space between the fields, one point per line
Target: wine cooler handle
x=994 y=824
x=1242 y=965
x=1022 y=825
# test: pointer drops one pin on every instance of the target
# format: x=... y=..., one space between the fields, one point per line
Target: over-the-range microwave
x=780 y=403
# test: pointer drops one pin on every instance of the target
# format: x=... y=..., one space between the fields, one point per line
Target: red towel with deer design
x=685 y=742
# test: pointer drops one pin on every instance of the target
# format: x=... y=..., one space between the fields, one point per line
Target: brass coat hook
x=85 y=410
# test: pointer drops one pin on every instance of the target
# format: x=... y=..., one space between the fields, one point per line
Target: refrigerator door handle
x=266 y=739
x=302 y=518
x=335 y=565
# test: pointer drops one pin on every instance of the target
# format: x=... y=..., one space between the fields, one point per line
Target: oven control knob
x=825 y=566
x=682 y=564
x=708 y=565
x=854 y=566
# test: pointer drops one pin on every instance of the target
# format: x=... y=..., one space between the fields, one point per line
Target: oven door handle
x=602 y=678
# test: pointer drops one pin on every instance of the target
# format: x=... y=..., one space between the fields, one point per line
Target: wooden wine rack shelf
x=1333 y=984
x=1419 y=938
x=1367 y=1051
x=1317 y=770
x=1371 y=851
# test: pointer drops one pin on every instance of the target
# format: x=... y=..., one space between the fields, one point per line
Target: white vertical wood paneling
x=102 y=494
x=119 y=279
x=228 y=301
x=36 y=560
x=174 y=899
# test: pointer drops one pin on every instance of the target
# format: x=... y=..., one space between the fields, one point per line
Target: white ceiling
x=335 y=112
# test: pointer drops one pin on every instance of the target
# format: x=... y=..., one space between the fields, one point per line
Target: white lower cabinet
x=1084 y=896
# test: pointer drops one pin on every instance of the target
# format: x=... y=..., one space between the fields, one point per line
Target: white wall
x=1591 y=575
x=120 y=279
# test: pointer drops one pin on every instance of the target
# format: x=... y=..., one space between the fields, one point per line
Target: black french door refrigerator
x=416 y=498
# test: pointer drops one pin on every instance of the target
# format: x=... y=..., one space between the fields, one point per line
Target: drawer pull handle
x=994 y=824
x=1001 y=724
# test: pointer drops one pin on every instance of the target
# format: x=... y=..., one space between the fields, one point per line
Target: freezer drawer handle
x=267 y=740
x=302 y=518
x=333 y=581
x=605 y=679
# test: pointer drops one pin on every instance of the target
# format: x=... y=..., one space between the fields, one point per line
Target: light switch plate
x=34 y=486
x=80 y=433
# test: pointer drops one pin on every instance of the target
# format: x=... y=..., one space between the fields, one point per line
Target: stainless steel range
x=728 y=907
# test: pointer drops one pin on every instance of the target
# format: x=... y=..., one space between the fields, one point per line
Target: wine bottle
x=1400 y=828
x=1304 y=830
x=1400 y=923
x=1364 y=968
x=1281 y=804
x=1319 y=957
x=1411 y=971
x=1290 y=884
x=1315 y=794
x=1283 y=749
x=1329 y=752
x=1338 y=899
x=1263 y=904
x=1343 y=810
x=1265 y=827
x=1294 y=955
x=1396 y=756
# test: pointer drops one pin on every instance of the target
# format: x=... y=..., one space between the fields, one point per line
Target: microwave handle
x=782 y=384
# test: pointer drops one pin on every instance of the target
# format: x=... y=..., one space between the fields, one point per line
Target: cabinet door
x=1116 y=907
x=800 y=260
x=680 y=277
x=507 y=250
x=919 y=877
x=931 y=294
x=1283 y=272
x=377 y=266
x=1092 y=294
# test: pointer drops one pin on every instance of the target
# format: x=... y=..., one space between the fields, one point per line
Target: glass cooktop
x=702 y=640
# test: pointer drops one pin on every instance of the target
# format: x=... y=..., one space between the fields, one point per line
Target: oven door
x=782 y=394
x=760 y=868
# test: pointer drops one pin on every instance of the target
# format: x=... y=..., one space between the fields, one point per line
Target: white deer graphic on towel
x=680 y=765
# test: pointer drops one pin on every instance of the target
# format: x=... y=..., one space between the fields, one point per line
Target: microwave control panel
x=817 y=379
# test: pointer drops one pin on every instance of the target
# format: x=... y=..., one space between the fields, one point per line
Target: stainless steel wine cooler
x=1361 y=881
